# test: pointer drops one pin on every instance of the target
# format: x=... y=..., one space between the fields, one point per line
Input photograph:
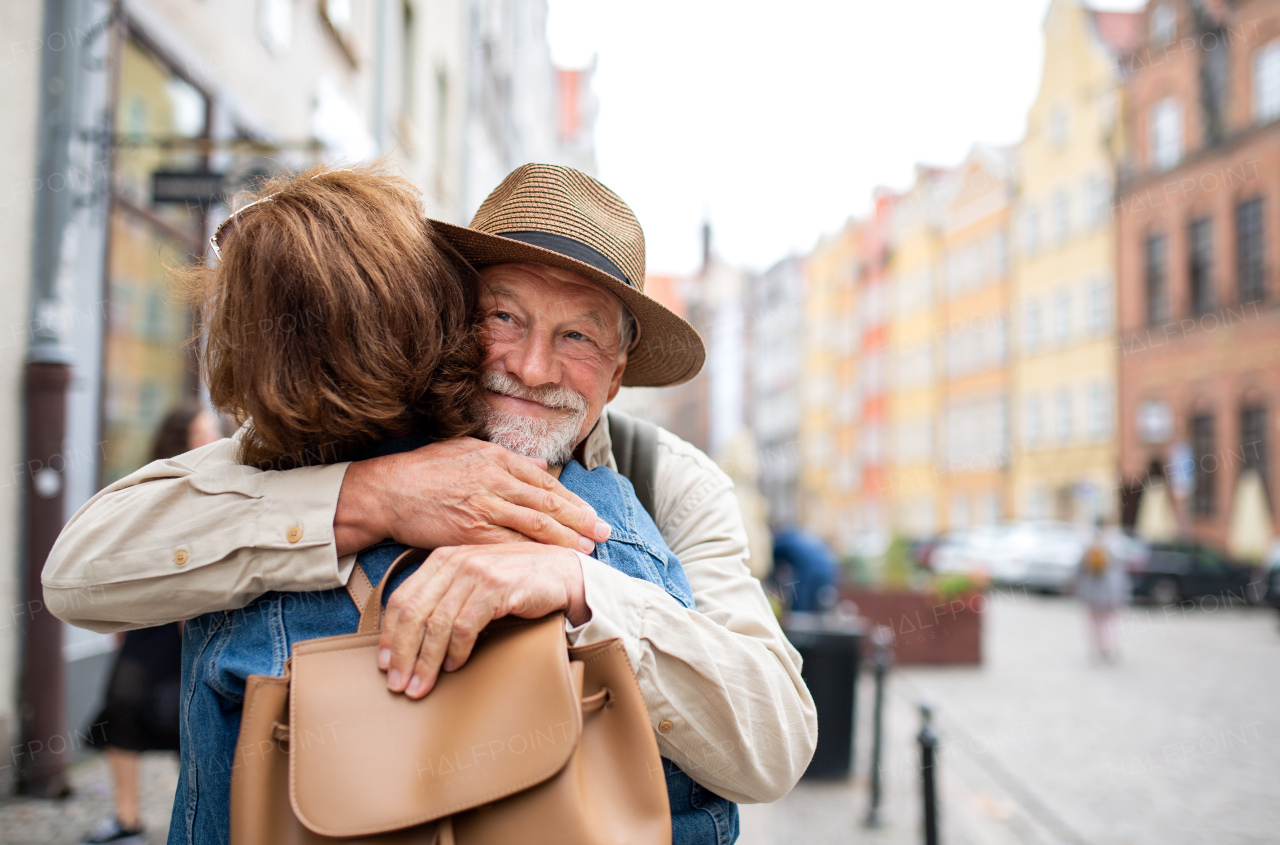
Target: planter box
x=925 y=630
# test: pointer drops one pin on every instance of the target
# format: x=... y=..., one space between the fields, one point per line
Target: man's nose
x=533 y=361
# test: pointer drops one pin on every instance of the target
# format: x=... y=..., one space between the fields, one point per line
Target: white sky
x=776 y=122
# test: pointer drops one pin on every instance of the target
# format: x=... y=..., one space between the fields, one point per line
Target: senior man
x=566 y=323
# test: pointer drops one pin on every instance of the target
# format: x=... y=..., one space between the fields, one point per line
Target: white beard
x=551 y=440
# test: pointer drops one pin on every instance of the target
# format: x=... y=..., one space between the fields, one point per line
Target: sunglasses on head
x=213 y=239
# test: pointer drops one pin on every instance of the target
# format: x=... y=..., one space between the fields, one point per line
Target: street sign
x=195 y=187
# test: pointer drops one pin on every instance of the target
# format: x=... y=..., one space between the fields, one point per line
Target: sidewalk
x=973 y=808
x=30 y=821
x=1178 y=742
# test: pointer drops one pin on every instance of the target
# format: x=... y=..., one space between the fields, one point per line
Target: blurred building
x=872 y=486
x=774 y=329
x=914 y=394
x=973 y=337
x=20 y=113
x=520 y=107
x=1198 y=217
x=1064 y=370
x=828 y=373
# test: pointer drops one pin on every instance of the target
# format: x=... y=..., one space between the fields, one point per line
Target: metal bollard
x=928 y=744
x=882 y=638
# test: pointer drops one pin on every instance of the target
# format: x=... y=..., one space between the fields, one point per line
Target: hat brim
x=667 y=350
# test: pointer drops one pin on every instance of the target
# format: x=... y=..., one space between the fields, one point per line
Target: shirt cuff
x=617 y=603
x=298 y=517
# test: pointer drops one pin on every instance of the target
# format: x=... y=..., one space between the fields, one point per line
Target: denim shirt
x=221 y=649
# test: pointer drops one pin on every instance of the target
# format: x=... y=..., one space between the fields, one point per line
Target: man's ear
x=616 y=382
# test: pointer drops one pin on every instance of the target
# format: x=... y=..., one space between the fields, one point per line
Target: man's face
x=552 y=357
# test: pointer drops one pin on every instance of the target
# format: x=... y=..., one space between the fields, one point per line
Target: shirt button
x=180 y=557
x=294 y=534
x=665 y=726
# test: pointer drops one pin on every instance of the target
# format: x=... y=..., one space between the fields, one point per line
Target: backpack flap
x=364 y=760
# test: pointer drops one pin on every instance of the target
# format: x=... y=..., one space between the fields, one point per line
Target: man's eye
x=575 y=336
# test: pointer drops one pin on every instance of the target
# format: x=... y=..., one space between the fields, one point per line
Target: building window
x=1202 y=448
x=1250 y=252
x=1253 y=440
x=1200 y=270
x=1033 y=422
x=1164 y=23
x=1059 y=125
x=1030 y=231
x=1062 y=317
x=1266 y=82
x=1061 y=216
x=1062 y=415
x=1100 y=410
x=1031 y=327
x=275 y=25
x=1097 y=201
x=1164 y=134
x=1157 y=281
x=1099 y=308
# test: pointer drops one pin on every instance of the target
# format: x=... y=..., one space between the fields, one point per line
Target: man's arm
x=200 y=532
x=721 y=682
x=191 y=534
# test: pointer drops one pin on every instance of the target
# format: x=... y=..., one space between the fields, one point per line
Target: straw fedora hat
x=561 y=217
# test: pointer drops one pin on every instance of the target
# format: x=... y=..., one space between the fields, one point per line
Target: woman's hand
x=433 y=619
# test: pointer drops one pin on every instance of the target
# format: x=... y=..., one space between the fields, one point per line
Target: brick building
x=1198 y=222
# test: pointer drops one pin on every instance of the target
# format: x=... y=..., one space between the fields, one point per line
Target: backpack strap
x=635 y=450
x=359 y=587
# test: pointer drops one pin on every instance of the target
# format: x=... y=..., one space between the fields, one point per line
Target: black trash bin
x=831 y=647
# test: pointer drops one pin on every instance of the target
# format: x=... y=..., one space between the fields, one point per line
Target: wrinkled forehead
x=540 y=286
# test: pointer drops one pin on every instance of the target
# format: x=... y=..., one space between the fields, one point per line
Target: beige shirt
x=200 y=532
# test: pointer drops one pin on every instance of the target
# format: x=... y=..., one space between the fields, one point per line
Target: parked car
x=1047 y=553
x=1040 y=554
x=1178 y=571
x=984 y=550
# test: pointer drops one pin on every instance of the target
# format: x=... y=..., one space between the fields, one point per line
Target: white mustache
x=560 y=398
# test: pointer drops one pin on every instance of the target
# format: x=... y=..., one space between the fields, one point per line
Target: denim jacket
x=221 y=649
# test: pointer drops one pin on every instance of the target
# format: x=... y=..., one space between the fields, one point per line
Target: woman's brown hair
x=337 y=317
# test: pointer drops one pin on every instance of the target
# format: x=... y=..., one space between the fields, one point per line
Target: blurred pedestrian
x=804 y=570
x=141 y=710
x=1103 y=586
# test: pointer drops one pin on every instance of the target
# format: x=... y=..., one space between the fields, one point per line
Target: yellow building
x=914 y=398
x=829 y=387
x=1064 y=369
x=973 y=463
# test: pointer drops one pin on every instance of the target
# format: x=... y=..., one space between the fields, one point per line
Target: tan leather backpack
x=531 y=741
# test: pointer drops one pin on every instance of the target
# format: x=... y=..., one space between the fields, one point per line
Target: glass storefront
x=148 y=366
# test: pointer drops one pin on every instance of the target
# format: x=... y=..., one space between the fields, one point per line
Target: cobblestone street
x=1178 y=742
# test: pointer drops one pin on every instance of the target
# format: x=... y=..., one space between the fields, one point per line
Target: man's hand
x=458 y=492
x=433 y=619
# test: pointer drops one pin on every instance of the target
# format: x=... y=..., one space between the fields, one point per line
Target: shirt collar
x=597 y=449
